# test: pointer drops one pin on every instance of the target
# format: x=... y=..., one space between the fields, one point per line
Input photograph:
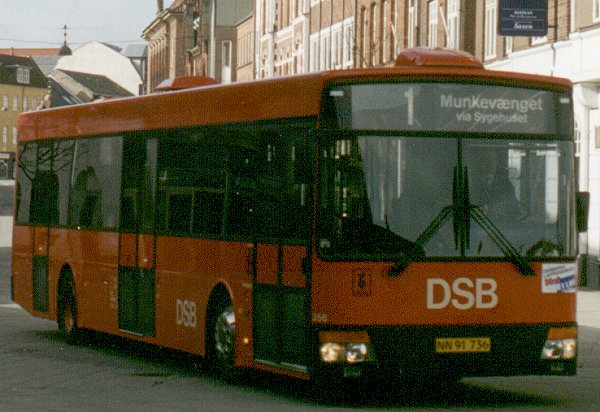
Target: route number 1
x=410 y=97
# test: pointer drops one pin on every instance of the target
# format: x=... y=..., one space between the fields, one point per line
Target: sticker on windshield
x=559 y=278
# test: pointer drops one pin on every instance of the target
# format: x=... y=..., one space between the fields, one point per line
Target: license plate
x=463 y=345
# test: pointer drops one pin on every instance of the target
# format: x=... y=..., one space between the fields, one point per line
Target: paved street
x=40 y=372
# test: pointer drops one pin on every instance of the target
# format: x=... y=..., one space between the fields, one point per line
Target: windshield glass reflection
x=447 y=197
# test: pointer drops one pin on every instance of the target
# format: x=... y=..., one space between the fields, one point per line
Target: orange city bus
x=411 y=221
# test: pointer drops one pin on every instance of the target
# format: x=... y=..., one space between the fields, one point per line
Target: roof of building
x=60 y=96
x=24 y=52
x=8 y=71
x=99 y=85
x=136 y=51
x=46 y=63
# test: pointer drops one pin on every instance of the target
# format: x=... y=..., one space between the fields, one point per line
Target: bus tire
x=67 y=309
x=221 y=337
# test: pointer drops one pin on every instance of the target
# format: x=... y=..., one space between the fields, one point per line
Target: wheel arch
x=220 y=295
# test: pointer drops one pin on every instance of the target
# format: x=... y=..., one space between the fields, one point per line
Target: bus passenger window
x=44 y=198
x=242 y=167
x=239 y=214
x=50 y=165
x=85 y=208
x=180 y=212
x=95 y=187
x=208 y=213
x=27 y=164
x=191 y=183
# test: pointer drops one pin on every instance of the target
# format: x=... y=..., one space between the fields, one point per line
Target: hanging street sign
x=523 y=18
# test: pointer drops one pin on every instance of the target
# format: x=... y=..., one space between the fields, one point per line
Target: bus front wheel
x=221 y=342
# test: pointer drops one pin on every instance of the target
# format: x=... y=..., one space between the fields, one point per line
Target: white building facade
x=98 y=58
x=576 y=57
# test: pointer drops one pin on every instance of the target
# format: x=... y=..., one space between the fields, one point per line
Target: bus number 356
x=186 y=313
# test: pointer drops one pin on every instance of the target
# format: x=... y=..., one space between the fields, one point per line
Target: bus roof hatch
x=440 y=57
x=184 y=82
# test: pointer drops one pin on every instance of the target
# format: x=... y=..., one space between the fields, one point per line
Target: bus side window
x=85 y=210
x=191 y=180
x=96 y=184
x=208 y=212
x=44 y=198
x=26 y=172
x=242 y=169
x=45 y=185
x=138 y=183
x=180 y=212
x=299 y=188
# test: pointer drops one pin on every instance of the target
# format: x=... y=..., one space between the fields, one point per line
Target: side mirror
x=583 y=208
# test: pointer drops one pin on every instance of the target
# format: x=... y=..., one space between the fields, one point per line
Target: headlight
x=561 y=344
x=560 y=349
x=348 y=347
x=356 y=352
x=332 y=352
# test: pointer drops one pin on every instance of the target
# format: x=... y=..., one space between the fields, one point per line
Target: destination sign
x=450 y=107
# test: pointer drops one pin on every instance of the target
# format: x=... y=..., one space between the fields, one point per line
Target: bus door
x=279 y=305
x=137 y=243
x=44 y=213
x=279 y=284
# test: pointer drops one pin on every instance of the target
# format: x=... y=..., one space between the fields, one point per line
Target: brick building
x=194 y=38
x=22 y=88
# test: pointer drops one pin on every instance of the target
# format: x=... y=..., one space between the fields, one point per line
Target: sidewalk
x=588 y=307
x=6 y=231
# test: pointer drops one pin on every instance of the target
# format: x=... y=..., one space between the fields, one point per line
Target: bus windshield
x=397 y=196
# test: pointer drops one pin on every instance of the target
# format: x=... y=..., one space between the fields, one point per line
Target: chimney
x=160 y=4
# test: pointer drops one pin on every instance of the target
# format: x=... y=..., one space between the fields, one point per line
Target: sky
x=39 y=23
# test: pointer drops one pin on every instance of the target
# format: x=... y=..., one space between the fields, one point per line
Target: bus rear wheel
x=67 y=310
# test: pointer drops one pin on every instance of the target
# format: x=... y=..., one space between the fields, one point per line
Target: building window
x=373 y=36
x=23 y=75
x=596 y=11
x=384 y=29
x=325 y=52
x=453 y=24
x=490 y=29
x=348 y=44
x=363 y=35
x=15 y=104
x=539 y=40
x=314 y=48
x=5 y=135
x=337 y=47
x=433 y=24
x=508 y=45
x=14 y=136
x=226 y=61
x=411 y=24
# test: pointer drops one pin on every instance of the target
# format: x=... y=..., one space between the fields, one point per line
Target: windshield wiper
x=462 y=211
x=501 y=241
